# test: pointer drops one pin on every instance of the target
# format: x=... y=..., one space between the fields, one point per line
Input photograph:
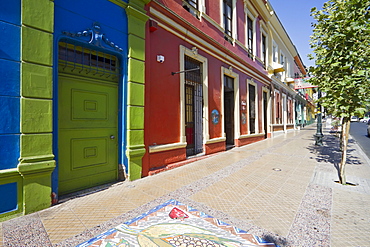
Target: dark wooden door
x=229 y=117
x=265 y=113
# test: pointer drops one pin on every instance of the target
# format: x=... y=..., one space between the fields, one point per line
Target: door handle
x=112 y=137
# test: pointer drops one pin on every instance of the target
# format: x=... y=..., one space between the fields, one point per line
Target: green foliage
x=341 y=45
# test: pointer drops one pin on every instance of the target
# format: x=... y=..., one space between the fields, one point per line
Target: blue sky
x=296 y=19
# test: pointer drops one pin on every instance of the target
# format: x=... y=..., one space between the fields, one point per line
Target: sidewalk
x=280 y=189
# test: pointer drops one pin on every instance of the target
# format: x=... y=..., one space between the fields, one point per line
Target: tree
x=341 y=47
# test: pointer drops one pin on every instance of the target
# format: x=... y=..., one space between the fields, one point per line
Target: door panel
x=265 y=113
x=87 y=143
x=193 y=106
x=229 y=117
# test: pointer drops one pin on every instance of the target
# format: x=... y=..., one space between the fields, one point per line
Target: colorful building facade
x=93 y=92
x=217 y=76
x=72 y=97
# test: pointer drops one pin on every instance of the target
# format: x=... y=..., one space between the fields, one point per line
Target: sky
x=296 y=19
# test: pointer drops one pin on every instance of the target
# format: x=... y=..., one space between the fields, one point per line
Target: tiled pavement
x=281 y=189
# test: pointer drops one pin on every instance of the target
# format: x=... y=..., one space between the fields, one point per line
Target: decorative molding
x=216 y=140
x=251 y=135
x=179 y=31
x=166 y=147
x=96 y=37
x=230 y=69
x=119 y=3
x=195 y=51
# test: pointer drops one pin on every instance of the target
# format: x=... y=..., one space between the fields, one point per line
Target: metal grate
x=74 y=58
x=193 y=107
x=252 y=108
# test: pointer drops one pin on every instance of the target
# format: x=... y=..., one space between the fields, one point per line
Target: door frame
x=256 y=107
x=122 y=104
x=266 y=112
x=229 y=72
x=193 y=53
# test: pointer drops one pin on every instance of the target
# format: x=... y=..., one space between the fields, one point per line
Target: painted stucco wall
x=74 y=17
x=124 y=24
x=163 y=99
x=28 y=93
x=25 y=92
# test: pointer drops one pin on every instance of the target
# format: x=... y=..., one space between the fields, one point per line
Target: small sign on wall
x=215 y=116
x=244 y=118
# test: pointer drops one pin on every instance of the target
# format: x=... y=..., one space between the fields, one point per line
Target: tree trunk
x=344 y=144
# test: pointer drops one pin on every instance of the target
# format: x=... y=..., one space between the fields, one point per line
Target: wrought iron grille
x=75 y=58
x=193 y=107
x=252 y=108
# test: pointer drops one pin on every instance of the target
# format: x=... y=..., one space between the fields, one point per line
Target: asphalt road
x=358 y=132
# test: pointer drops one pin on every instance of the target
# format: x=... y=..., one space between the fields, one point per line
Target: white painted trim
x=166 y=147
x=274 y=44
x=282 y=55
x=211 y=21
x=193 y=54
x=264 y=33
x=264 y=89
x=188 y=36
x=276 y=91
x=234 y=33
x=216 y=140
x=251 y=135
x=256 y=105
x=254 y=20
x=229 y=72
x=285 y=114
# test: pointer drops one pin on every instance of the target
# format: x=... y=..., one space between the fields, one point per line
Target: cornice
x=180 y=27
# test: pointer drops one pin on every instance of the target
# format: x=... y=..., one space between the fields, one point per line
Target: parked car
x=354 y=119
x=364 y=120
x=368 y=128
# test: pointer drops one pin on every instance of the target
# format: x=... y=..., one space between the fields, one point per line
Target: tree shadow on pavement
x=276 y=239
x=329 y=152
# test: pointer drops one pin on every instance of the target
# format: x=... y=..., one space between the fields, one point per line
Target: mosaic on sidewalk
x=175 y=224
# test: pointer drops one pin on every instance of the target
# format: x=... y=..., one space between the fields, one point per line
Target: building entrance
x=193 y=107
x=87 y=118
x=229 y=110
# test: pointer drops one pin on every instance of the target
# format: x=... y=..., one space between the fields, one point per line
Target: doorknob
x=112 y=137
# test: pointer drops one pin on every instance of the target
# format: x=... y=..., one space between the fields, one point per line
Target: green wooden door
x=87 y=137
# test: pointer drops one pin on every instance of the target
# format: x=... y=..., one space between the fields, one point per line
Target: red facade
x=200 y=112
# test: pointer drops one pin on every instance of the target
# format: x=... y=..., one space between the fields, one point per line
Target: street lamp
x=319 y=135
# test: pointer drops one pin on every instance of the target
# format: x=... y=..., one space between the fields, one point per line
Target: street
x=358 y=132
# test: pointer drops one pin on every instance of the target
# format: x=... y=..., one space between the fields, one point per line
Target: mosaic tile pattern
x=175 y=224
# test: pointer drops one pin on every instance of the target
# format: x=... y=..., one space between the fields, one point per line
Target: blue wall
x=10 y=29
x=10 y=14
x=76 y=16
x=9 y=200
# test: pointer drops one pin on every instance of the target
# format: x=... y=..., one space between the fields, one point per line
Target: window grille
x=74 y=58
x=193 y=107
x=252 y=108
